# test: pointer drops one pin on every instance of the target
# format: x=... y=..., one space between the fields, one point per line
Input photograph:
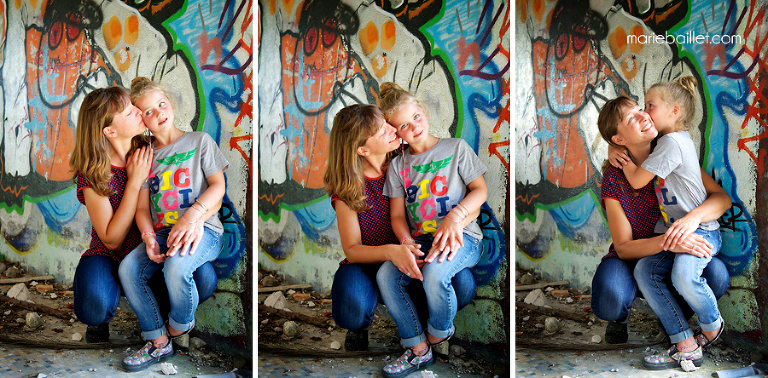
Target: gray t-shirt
x=436 y=180
x=178 y=178
x=678 y=179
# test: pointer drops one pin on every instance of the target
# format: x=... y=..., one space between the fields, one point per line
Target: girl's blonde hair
x=680 y=92
x=352 y=126
x=392 y=97
x=91 y=154
x=609 y=118
x=141 y=86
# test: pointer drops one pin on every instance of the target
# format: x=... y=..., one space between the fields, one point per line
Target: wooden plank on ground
x=37 y=307
x=4 y=281
x=540 y=285
x=284 y=287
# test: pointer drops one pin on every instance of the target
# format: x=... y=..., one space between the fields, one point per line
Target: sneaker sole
x=670 y=365
x=135 y=368
x=405 y=373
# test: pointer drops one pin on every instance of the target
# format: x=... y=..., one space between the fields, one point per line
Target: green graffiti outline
x=276 y=217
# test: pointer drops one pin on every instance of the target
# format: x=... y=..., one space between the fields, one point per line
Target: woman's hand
x=693 y=244
x=449 y=237
x=182 y=234
x=139 y=165
x=404 y=257
x=618 y=157
x=680 y=230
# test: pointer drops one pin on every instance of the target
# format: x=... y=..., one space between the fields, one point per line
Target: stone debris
x=302 y=296
x=2 y=268
x=269 y=281
x=428 y=374
x=42 y=288
x=13 y=272
x=552 y=325
x=167 y=368
x=34 y=320
x=596 y=339
x=77 y=336
x=276 y=300
x=183 y=341
x=291 y=329
x=335 y=345
x=688 y=365
x=527 y=279
x=196 y=343
x=20 y=292
x=311 y=304
x=441 y=349
x=536 y=298
x=457 y=350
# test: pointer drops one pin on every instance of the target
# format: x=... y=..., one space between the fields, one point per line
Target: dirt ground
x=319 y=336
x=586 y=331
x=63 y=331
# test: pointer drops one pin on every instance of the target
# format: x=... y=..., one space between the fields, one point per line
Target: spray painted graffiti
x=580 y=56
x=72 y=47
x=456 y=58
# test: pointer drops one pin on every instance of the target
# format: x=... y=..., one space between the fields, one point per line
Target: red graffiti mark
x=208 y=45
x=270 y=199
x=465 y=51
x=493 y=150
x=14 y=190
x=526 y=199
x=234 y=144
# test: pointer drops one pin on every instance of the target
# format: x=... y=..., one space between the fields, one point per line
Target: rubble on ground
x=537 y=328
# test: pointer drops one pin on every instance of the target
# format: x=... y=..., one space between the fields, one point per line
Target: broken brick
x=44 y=288
x=302 y=296
x=326 y=301
x=560 y=293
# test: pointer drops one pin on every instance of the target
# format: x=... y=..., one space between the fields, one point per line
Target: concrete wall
x=569 y=64
x=452 y=54
x=53 y=52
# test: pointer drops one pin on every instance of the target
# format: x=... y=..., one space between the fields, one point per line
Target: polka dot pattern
x=375 y=224
x=640 y=206
x=133 y=239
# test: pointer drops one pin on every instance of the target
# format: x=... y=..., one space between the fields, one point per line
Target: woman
x=632 y=215
x=108 y=178
x=361 y=146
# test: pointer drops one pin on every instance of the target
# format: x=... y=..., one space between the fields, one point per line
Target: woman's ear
x=618 y=140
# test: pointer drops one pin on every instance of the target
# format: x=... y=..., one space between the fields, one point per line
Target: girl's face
x=156 y=111
x=411 y=124
x=636 y=127
x=660 y=112
x=385 y=140
x=128 y=122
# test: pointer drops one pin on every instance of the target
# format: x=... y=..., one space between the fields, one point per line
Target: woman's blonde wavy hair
x=91 y=153
x=352 y=126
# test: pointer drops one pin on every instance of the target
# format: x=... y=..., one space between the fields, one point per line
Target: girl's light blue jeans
x=137 y=268
x=441 y=297
x=686 y=274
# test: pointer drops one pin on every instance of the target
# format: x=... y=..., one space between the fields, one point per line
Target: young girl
x=433 y=187
x=109 y=170
x=177 y=204
x=679 y=189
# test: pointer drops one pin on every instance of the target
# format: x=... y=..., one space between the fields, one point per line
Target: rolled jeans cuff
x=151 y=335
x=413 y=341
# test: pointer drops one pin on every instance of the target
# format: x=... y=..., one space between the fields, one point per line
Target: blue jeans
x=614 y=288
x=97 y=288
x=441 y=297
x=685 y=271
x=137 y=268
x=356 y=295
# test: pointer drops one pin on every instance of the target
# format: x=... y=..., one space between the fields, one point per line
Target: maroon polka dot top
x=133 y=239
x=641 y=206
x=375 y=223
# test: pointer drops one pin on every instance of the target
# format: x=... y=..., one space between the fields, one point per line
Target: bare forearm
x=635 y=249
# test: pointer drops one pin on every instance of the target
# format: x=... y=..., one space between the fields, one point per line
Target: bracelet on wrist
x=466 y=212
x=145 y=233
x=185 y=219
x=407 y=239
x=452 y=220
x=198 y=210
x=457 y=213
x=203 y=206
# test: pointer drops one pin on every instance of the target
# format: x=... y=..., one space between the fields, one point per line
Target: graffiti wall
x=573 y=56
x=316 y=57
x=54 y=52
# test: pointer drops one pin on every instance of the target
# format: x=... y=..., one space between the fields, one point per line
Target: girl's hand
x=449 y=237
x=404 y=258
x=183 y=233
x=695 y=245
x=618 y=156
x=153 y=249
x=139 y=164
x=679 y=230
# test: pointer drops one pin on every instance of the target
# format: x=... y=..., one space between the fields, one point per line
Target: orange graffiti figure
x=61 y=57
x=567 y=68
x=318 y=65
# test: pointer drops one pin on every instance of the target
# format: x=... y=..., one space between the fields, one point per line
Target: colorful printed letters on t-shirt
x=170 y=190
x=661 y=194
x=426 y=201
